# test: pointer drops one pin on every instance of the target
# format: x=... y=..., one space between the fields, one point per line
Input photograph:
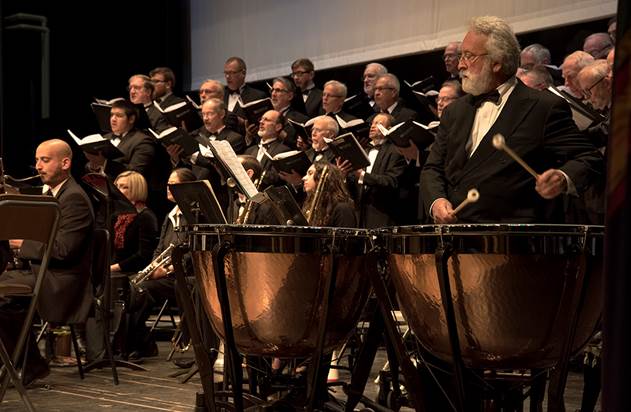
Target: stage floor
x=154 y=390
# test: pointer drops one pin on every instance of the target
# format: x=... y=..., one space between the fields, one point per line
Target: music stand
x=198 y=202
x=285 y=207
x=33 y=218
x=107 y=199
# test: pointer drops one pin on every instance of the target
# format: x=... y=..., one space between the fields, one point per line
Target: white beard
x=481 y=83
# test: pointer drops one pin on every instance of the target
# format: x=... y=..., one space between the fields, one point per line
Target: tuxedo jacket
x=271 y=176
x=139 y=154
x=400 y=114
x=66 y=294
x=291 y=138
x=207 y=168
x=158 y=121
x=247 y=94
x=377 y=197
x=327 y=155
x=538 y=126
x=313 y=104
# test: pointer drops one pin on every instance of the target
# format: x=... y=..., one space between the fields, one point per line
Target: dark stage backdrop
x=94 y=47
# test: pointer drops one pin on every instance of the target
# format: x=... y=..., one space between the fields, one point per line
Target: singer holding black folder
x=537 y=125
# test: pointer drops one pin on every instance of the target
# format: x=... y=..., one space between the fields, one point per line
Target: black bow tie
x=237 y=92
x=306 y=92
x=492 y=96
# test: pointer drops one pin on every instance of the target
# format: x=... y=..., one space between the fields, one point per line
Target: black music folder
x=303 y=129
x=293 y=160
x=358 y=127
x=95 y=144
x=198 y=202
x=284 y=206
x=401 y=134
x=420 y=96
x=348 y=148
x=254 y=110
x=102 y=108
x=182 y=113
x=359 y=106
x=178 y=136
x=584 y=116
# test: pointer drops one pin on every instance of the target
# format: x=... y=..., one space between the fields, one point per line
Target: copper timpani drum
x=275 y=281
x=513 y=288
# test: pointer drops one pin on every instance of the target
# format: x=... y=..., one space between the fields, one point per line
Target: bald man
x=66 y=293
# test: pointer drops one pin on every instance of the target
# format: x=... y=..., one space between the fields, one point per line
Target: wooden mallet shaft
x=500 y=144
x=472 y=196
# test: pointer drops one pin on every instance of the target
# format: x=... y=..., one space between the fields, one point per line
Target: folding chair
x=34 y=218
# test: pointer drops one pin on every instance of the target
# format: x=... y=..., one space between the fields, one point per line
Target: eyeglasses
x=469 y=58
x=588 y=92
x=445 y=99
x=299 y=73
x=275 y=90
x=158 y=81
x=134 y=87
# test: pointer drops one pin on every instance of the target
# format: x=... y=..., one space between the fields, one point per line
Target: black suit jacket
x=377 y=196
x=400 y=114
x=247 y=94
x=158 y=121
x=66 y=294
x=289 y=129
x=271 y=176
x=313 y=104
x=538 y=126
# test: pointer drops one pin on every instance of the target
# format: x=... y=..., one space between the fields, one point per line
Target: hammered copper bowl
x=276 y=277
x=511 y=286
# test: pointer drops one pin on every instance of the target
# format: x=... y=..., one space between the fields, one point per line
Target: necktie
x=235 y=92
x=492 y=96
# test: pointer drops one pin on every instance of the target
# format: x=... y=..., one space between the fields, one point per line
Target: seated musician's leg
x=138 y=339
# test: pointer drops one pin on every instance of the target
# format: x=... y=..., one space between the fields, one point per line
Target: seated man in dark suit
x=66 y=293
x=537 y=125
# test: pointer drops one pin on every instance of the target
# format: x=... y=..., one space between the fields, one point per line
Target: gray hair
x=540 y=52
x=331 y=123
x=502 y=45
x=341 y=87
x=579 y=59
x=289 y=85
x=391 y=78
x=599 y=68
x=381 y=69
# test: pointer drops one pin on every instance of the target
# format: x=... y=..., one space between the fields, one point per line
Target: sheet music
x=224 y=152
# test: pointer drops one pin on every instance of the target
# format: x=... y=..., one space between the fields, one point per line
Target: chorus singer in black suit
x=237 y=90
x=375 y=188
x=66 y=293
x=269 y=145
x=141 y=153
x=536 y=125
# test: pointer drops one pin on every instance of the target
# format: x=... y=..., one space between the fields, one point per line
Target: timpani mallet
x=472 y=196
x=500 y=144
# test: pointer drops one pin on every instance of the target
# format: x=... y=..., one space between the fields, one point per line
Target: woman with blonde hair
x=135 y=234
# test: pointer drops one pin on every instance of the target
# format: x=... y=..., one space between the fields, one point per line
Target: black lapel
x=517 y=107
x=459 y=135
